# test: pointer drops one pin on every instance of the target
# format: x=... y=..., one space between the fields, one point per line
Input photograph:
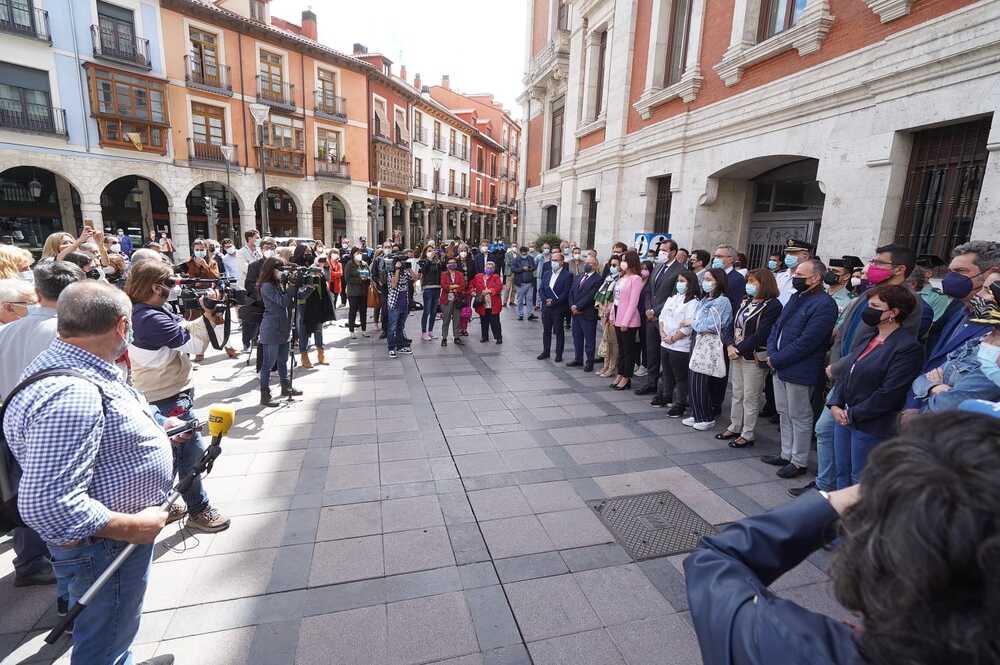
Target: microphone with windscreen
x=220 y=419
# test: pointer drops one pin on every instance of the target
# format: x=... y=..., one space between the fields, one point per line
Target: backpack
x=10 y=470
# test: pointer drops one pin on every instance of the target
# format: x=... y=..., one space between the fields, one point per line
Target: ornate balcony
x=22 y=19
x=552 y=62
x=290 y=161
x=332 y=169
x=330 y=106
x=34 y=118
x=207 y=153
x=120 y=47
x=275 y=93
x=210 y=78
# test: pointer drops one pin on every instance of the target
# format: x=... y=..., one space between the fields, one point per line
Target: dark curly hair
x=919 y=556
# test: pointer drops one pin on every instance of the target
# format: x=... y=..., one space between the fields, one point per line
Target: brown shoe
x=232 y=353
x=209 y=520
x=178 y=509
x=306 y=364
x=321 y=357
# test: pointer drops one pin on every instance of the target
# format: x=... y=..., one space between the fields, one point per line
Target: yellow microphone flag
x=220 y=419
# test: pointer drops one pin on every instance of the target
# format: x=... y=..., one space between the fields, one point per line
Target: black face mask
x=831 y=279
x=799 y=284
x=871 y=316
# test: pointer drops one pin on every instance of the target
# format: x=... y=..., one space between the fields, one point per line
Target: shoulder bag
x=707 y=354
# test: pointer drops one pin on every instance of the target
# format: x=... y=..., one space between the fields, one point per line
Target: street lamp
x=228 y=153
x=260 y=113
x=436 y=163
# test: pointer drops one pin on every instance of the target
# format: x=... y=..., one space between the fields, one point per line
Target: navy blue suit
x=739 y=621
x=553 y=314
x=581 y=296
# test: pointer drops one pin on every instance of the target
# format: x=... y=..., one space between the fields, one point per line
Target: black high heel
x=736 y=443
x=628 y=384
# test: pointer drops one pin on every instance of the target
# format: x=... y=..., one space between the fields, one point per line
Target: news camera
x=196 y=290
x=301 y=275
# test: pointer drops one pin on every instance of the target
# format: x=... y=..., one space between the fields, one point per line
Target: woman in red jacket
x=336 y=280
x=452 y=300
x=485 y=290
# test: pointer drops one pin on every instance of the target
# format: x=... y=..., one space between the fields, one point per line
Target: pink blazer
x=627 y=312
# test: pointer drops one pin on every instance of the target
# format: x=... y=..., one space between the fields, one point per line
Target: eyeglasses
x=884 y=264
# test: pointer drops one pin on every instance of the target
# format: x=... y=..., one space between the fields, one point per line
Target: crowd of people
x=839 y=353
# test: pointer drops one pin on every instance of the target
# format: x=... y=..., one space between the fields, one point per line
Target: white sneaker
x=689 y=422
x=354 y=335
x=639 y=370
x=365 y=334
x=701 y=427
x=392 y=354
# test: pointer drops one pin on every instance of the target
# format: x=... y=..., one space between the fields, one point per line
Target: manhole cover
x=652 y=525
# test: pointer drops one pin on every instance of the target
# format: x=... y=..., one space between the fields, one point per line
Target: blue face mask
x=988 y=355
x=718 y=263
x=708 y=287
x=791 y=260
x=682 y=287
x=772 y=265
x=751 y=290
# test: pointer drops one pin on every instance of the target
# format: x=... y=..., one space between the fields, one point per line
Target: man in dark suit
x=659 y=287
x=584 y=314
x=556 y=285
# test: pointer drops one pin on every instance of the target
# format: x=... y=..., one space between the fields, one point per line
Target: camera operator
x=313 y=307
x=399 y=276
x=357 y=280
x=916 y=560
x=95 y=464
x=275 y=328
x=161 y=371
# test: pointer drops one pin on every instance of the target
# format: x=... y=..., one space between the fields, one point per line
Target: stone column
x=248 y=222
x=427 y=224
x=387 y=225
x=407 y=208
x=467 y=231
x=64 y=192
x=493 y=235
x=304 y=223
x=179 y=233
x=92 y=211
x=146 y=207
x=328 y=239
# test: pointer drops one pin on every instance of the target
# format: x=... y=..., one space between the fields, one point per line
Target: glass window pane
x=678 y=40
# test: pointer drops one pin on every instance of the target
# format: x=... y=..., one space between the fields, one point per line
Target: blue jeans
x=431 y=299
x=104 y=632
x=524 y=305
x=850 y=450
x=826 y=476
x=300 y=326
x=396 y=322
x=189 y=453
x=273 y=355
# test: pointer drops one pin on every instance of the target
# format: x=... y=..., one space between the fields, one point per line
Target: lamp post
x=227 y=154
x=436 y=164
x=260 y=113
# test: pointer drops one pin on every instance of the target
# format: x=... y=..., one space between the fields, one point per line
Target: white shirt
x=552 y=280
x=22 y=341
x=246 y=256
x=785 y=290
x=674 y=311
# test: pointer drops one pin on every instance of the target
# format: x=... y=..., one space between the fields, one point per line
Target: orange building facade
x=847 y=123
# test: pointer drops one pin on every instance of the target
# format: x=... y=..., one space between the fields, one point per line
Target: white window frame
x=341 y=139
x=687 y=87
x=806 y=37
x=396 y=112
x=385 y=105
x=594 y=118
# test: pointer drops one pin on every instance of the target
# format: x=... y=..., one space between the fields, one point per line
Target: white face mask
x=430 y=255
x=268 y=253
x=116 y=248
x=230 y=250
x=27 y=276
x=200 y=253
x=357 y=258
x=463 y=254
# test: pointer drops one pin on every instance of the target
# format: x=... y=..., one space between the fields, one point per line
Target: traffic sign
x=645 y=241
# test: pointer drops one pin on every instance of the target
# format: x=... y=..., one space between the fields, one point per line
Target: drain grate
x=652 y=525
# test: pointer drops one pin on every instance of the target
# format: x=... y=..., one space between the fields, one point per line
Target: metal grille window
x=551 y=219
x=556 y=134
x=943 y=183
x=661 y=216
x=591 y=219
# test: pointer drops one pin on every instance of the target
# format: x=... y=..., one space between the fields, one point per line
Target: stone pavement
x=431 y=509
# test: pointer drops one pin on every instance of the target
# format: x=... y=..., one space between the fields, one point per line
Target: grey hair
x=51 y=277
x=91 y=308
x=987 y=253
x=728 y=248
x=15 y=289
x=145 y=254
x=818 y=267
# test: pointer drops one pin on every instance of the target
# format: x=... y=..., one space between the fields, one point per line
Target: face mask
x=587 y=268
x=483 y=249
x=546 y=250
x=452 y=266
x=268 y=253
x=344 y=245
x=126 y=341
x=772 y=265
x=708 y=287
x=799 y=284
x=430 y=255
x=463 y=254
x=644 y=273
x=956 y=285
x=878 y=274
x=871 y=316
x=108 y=270
x=357 y=258
x=663 y=257
x=524 y=255
x=27 y=276
x=613 y=270
x=488 y=271
x=855 y=282
x=987 y=355
x=682 y=287
x=200 y=253
x=557 y=265
x=116 y=248
x=576 y=256
x=230 y=250
x=718 y=263
x=93 y=273
x=831 y=279
x=791 y=260
x=751 y=290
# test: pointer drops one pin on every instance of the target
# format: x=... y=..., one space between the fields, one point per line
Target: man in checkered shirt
x=96 y=463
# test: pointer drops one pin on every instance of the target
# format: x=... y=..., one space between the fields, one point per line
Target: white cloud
x=479 y=44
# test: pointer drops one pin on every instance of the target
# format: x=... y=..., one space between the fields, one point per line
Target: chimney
x=416 y=81
x=426 y=89
x=446 y=82
x=360 y=49
x=402 y=72
x=309 y=24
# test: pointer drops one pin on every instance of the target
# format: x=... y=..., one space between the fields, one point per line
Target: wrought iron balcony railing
x=330 y=106
x=332 y=169
x=213 y=78
x=199 y=151
x=275 y=92
x=22 y=19
x=35 y=118
x=110 y=44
